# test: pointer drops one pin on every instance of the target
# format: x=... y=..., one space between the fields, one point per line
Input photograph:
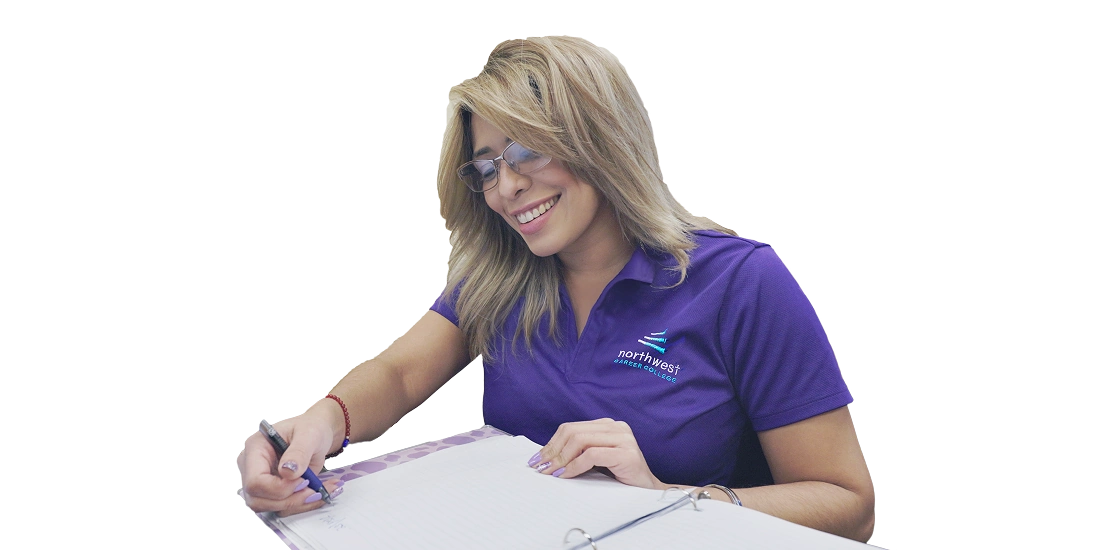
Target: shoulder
x=737 y=265
x=717 y=258
x=714 y=243
x=716 y=253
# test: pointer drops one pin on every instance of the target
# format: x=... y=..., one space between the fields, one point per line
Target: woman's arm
x=381 y=391
x=377 y=394
x=820 y=477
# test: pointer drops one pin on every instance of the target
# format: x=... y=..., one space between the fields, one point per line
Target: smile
x=526 y=217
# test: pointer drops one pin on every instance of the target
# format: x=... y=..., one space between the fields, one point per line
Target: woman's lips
x=526 y=217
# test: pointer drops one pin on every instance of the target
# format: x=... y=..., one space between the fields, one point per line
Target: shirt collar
x=644 y=266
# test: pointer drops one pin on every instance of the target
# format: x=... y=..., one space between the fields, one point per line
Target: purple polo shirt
x=696 y=370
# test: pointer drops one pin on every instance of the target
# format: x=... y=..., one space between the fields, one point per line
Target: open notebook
x=483 y=495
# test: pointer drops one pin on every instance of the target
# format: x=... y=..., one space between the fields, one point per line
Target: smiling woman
x=574 y=102
x=529 y=201
x=556 y=265
x=573 y=270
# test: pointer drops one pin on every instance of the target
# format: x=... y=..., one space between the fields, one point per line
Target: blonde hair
x=570 y=99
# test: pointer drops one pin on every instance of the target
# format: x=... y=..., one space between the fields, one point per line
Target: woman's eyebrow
x=487 y=149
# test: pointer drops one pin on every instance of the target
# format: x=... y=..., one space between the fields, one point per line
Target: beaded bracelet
x=730 y=494
x=346 y=416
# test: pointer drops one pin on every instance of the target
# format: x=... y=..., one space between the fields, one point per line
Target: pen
x=281 y=447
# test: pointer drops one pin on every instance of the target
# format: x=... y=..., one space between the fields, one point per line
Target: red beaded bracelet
x=345 y=415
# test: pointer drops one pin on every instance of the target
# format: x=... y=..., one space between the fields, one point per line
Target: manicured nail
x=315 y=497
x=337 y=491
x=301 y=486
x=558 y=472
x=536 y=458
x=543 y=466
x=290 y=465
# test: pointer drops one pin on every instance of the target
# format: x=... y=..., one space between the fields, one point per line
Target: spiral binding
x=680 y=502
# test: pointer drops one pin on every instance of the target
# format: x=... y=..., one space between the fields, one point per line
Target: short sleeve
x=782 y=365
x=445 y=305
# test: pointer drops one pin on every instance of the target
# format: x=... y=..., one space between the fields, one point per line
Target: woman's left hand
x=576 y=447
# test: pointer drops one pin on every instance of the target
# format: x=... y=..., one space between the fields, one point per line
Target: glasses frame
x=498 y=167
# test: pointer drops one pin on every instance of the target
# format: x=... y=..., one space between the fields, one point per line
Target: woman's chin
x=540 y=245
x=541 y=250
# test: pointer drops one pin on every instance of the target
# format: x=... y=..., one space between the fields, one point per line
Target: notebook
x=484 y=495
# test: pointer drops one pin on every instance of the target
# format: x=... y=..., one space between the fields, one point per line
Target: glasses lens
x=523 y=160
x=478 y=175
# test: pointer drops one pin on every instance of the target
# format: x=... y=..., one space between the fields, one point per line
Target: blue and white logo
x=658 y=337
x=648 y=362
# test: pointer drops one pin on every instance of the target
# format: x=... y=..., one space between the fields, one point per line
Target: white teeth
x=531 y=215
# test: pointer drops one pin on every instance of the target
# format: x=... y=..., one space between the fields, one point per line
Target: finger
x=553 y=449
x=299 y=456
x=605 y=457
x=258 y=471
x=578 y=466
x=626 y=464
x=580 y=442
x=311 y=500
x=301 y=500
x=553 y=452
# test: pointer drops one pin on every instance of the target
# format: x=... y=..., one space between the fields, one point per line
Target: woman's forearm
x=816 y=504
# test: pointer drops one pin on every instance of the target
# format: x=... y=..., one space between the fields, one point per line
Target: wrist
x=697 y=491
x=719 y=492
x=328 y=413
x=346 y=421
x=711 y=492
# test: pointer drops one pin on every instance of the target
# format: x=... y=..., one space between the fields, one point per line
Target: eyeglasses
x=482 y=175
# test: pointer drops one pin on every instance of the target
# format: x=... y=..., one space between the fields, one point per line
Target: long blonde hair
x=570 y=99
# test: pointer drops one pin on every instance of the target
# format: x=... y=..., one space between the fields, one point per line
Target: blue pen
x=281 y=447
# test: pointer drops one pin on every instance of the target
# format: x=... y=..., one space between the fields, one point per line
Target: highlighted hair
x=567 y=98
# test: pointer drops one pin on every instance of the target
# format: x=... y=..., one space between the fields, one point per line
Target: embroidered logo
x=656 y=337
x=648 y=362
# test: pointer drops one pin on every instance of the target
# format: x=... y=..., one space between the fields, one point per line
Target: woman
x=615 y=327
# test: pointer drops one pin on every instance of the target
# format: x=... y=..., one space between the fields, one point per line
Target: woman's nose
x=510 y=183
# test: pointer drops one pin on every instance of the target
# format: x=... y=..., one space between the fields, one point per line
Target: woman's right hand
x=271 y=483
x=431 y=352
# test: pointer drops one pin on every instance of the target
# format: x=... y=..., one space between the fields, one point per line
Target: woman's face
x=554 y=212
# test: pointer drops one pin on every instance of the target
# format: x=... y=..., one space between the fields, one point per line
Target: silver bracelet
x=730 y=494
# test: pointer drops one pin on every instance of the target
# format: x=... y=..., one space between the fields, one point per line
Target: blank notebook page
x=484 y=495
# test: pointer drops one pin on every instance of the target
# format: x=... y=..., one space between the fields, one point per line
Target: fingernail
x=558 y=472
x=290 y=465
x=337 y=491
x=536 y=458
x=301 y=486
x=543 y=466
x=315 y=497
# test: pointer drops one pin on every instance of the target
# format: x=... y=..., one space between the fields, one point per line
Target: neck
x=600 y=257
